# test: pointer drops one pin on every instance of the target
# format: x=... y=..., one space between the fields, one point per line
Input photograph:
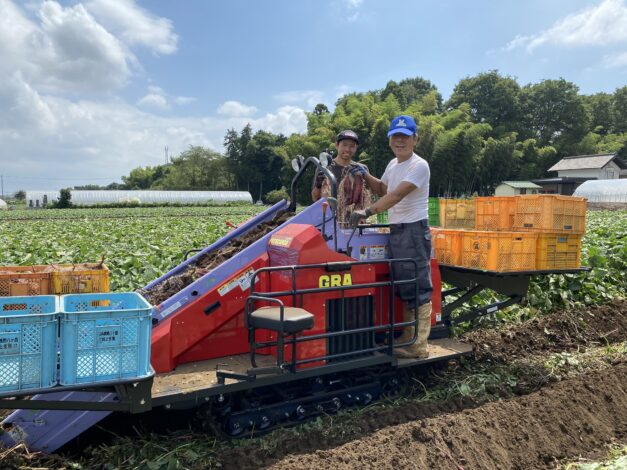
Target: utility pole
x=2 y=184
x=166 y=155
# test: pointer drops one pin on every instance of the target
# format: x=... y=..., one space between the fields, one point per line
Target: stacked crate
x=511 y=233
x=80 y=335
x=560 y=222
x=53 y=279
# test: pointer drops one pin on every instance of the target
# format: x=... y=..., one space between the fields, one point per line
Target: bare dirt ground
x=534 y=431
x=535 y=421
x=537 y=426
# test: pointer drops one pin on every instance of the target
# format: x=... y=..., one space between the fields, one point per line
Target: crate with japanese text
x=28 y=333
x=104 y=337
x=558 y=251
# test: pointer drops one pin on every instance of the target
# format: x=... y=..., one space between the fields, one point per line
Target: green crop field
x=140 y=244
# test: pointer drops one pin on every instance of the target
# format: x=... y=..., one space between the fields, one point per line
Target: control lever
x=333 y=205
x=325 y=205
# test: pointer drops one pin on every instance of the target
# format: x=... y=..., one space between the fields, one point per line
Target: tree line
x=491 y=129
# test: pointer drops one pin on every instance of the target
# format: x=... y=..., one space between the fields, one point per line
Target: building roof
x=521 y=184
x=562 y=179
x=587 y=162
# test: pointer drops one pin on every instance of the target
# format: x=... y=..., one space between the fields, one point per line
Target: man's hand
x=358 y=216
x=359 y=170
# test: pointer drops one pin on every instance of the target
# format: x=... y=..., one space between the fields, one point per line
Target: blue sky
x=91 y=89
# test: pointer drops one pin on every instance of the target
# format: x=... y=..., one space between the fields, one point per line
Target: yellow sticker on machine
x=280 y=241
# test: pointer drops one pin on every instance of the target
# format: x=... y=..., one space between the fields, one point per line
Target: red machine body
x=198 y=333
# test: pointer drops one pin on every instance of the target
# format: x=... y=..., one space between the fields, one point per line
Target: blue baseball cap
x=402 y=125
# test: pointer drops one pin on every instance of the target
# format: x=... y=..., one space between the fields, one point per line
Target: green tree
x=554 y=113
x=493 y=99
x=498 y=163
x=193 y=169
x=236 y=146
x=20 y=195
x=533 y=160
x=411 y=90
x=65 y=199
x=456 y=157
x=619 y=110
x=143 y=178
x=599 y=109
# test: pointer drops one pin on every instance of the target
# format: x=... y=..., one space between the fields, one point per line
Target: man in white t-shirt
x=405 y=186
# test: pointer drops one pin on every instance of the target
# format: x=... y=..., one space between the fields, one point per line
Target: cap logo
x=401 y=123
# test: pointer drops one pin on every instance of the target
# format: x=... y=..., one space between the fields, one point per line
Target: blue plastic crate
x=104 y=337
x=28 y=332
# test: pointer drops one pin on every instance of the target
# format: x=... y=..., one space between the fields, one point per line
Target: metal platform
x=198 y=381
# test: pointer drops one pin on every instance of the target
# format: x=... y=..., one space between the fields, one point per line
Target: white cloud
x=615 y=60
x=67 y=51
x=135 y=25
x=157 y=98
x=236 y=109
x=287 y=120
x=600 y=25
x=154 y=100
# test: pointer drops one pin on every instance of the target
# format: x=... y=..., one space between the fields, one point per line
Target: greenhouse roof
x=585 y=162
x=521 y=184
x=603 y=190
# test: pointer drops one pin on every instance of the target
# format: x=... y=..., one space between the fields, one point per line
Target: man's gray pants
x=412 y=240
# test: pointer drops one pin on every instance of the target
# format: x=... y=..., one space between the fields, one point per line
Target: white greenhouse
x=35 y=199
x=614 y=190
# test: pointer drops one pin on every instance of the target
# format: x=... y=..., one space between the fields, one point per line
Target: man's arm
x=376 y=185
x=393 y=198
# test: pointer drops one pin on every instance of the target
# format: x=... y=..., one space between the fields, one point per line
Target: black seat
x=294 y=319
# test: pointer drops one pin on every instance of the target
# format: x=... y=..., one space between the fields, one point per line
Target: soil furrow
x=565 y=420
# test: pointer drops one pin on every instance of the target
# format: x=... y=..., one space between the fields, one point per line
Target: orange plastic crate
x=24 y=280
x=447 y=245
x=558 y=251
x=457 y=213
x=499 y=251
x=79 y=279
x=495 y=213
x=550 y=213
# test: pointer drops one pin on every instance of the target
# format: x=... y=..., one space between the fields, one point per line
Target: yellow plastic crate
x=550 y=213
x=79 y=279
x=457 y=213
x=499 y=251
x=558 y=251
x=24 y=280
x=495 y=213
x=447 y=245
